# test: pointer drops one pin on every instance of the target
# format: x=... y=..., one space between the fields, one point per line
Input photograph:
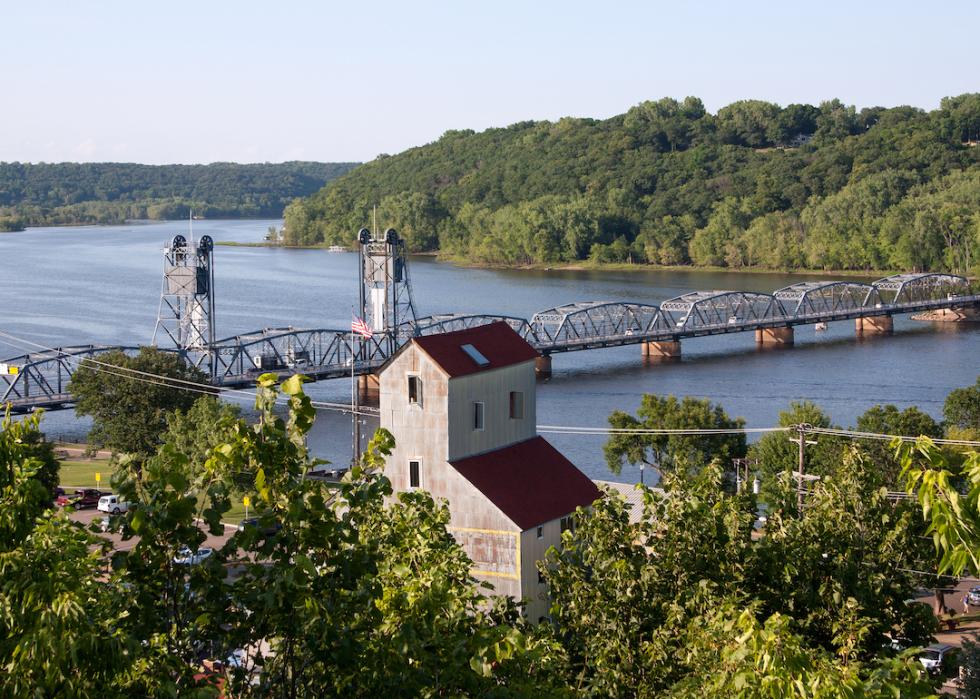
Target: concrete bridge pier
x=542 y=366
x=668 y=349
x=874 y=325
x=776 y=337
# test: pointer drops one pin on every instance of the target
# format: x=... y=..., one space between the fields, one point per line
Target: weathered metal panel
x=492 y=388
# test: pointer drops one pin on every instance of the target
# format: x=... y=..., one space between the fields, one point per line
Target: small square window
x=414 y=467
x=540 y=532
x=478 y=416
x=516 y=405
x=415 y=390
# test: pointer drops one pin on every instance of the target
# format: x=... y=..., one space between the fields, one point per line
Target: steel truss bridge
x=40 y=379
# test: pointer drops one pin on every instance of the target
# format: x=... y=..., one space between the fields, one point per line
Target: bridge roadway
x=40 y=379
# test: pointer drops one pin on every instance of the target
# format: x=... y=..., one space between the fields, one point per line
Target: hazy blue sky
x=174 y=81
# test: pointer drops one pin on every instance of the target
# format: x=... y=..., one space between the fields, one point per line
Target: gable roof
x=497 y=342
x=531 y=482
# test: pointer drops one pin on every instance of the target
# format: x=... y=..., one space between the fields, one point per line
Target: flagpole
x=357 y=418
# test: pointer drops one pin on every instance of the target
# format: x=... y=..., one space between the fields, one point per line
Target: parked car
x=64 y=499
x=186 y=557
x=81 y=499
x=112 y=504
x=973 y=596
x=937 y=658
x=267 y=530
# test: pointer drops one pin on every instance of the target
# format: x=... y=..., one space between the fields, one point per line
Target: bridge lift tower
x=186 y=314
x=386 y=293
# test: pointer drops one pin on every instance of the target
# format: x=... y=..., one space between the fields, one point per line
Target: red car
x=80 y=499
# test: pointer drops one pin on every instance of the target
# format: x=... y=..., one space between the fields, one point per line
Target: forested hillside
x=57 y=193
x=755 y=185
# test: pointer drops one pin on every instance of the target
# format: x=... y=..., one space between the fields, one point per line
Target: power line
x=566 y=429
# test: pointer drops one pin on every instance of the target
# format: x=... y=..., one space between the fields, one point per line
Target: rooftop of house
x=531 y=482
x=482 y=348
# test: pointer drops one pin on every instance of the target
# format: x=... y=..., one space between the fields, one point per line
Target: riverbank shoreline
x=587 y=266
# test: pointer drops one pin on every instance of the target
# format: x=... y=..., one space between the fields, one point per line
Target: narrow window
x=478 y=416
x=415 y=390
x=540 y=577
x=516 y=405
x=413 y=474
x=568 y=523
x=540 y=532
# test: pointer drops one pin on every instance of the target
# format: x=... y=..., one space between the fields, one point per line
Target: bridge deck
x=40 y=380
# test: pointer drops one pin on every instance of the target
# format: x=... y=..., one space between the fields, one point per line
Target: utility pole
x=801 y=441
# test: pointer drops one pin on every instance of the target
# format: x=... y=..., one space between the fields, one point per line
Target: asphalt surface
x=86 y=517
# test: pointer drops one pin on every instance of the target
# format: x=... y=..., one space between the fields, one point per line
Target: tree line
x=667 y=183
x=33 y=194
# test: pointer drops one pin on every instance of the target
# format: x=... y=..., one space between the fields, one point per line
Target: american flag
x=360 y=327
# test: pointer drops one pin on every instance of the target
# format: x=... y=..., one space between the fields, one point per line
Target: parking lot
x=86 y=517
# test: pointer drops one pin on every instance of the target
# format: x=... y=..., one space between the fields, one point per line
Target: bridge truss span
x=918 y=288
x=719 y=311
x=593 y=324
x=826 y=298
x=40 y=379
x=320 y=353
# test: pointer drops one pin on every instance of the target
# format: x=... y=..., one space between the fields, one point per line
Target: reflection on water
x=101 y=285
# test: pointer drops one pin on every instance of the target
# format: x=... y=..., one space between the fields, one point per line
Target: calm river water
x=95 y=284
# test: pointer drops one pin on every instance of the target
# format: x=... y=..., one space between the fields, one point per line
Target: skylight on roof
x=475 y=355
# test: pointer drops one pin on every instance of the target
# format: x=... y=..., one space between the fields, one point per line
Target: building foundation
x=779 y=337
x=542 y=366
x=874 y=325
x=669 y=349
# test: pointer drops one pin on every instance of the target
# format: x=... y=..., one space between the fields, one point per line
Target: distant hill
x=56 y=193
x=754 y=185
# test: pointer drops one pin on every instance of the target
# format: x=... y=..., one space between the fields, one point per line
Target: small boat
x=820 y=327
x=336 y=248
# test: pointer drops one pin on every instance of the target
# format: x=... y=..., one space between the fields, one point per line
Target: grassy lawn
x=81 y=474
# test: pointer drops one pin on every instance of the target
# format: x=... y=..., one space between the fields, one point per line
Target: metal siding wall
x=493 y=389
x=420 y=432
x=533 y=550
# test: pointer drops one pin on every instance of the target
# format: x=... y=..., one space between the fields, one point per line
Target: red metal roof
x=497 y=342
x=531 y=482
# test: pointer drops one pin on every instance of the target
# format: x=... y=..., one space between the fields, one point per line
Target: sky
x=197 y=82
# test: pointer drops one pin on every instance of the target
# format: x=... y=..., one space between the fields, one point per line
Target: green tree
x=685 y=600
x=848 y=592
x=962 y=409
x=208 y=423
x=887 y=419
x=672 y=452
x=129 y=412
x=952 y=516
x=57 y=634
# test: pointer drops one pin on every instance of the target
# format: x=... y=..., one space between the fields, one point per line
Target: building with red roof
x=462 y=409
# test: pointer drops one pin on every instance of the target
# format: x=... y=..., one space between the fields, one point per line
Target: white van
x=112 y=504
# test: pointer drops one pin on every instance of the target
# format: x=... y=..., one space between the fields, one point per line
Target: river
x=101 y=284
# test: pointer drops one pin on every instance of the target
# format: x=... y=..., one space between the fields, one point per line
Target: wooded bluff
x=86 y=193
x=754 y=185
